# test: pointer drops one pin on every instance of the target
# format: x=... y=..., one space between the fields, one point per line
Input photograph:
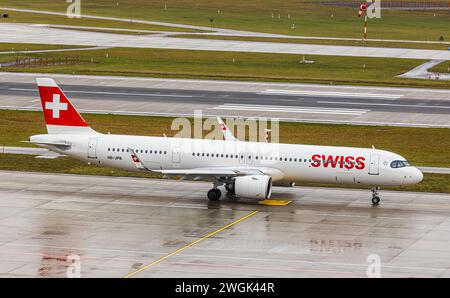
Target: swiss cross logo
x=56 y=106
x=135 y=158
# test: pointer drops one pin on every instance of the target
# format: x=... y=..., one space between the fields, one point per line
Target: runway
x=288 y=102
x=23 y=33
x=157 y=228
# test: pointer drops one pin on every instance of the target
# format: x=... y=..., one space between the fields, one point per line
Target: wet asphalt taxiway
x=54 y=225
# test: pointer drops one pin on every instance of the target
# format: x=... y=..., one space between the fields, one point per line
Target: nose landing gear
x=375 y=196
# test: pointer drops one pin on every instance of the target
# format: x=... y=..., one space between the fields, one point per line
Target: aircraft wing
x=213 y=171
x=137 y=162
x=223 y=174
x=227 y=135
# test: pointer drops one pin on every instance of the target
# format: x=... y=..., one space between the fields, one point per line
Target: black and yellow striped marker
x=268 y=202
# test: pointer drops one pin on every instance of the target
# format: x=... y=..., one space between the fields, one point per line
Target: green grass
x=247 y=66
x=359 y=43
x=421 y=146
x=310 y=19
x=442 y=67
x=67 y=165
x=4 y=47
x=34 y=18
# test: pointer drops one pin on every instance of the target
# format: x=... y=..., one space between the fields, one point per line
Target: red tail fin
x=60 y=115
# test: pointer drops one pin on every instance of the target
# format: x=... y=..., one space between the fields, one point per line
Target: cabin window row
x=290 y=159
x=250 y=156
x=138 y=151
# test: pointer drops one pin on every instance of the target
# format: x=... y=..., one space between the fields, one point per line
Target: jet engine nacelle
x=254 y=186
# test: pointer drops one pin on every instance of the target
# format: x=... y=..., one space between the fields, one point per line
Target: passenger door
x=92 y=147
x=176 y=156
x=374 y=166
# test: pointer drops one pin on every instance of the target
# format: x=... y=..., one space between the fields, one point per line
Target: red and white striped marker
x=363 y=9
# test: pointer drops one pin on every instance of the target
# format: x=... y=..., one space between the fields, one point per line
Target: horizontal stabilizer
x=61 y=143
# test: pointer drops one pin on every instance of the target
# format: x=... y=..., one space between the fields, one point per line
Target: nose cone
x=417 y=176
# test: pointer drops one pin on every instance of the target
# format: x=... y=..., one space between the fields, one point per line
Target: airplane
x=245 y=169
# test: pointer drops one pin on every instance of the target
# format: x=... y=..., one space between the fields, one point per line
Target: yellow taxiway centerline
x=191 y=244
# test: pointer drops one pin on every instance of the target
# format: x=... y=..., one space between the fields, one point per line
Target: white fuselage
x=283 y=162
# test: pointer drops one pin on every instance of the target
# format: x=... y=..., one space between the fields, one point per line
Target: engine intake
x=254 y=186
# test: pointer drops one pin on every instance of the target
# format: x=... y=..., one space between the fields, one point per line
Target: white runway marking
x=331 y=94
x=382 y=104
x=292 y=109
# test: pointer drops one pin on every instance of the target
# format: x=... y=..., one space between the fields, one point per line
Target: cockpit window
x=399 y=164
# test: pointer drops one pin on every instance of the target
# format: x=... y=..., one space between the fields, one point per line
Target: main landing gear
x=214 y=194
x=375 y=196
x=230 y=188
